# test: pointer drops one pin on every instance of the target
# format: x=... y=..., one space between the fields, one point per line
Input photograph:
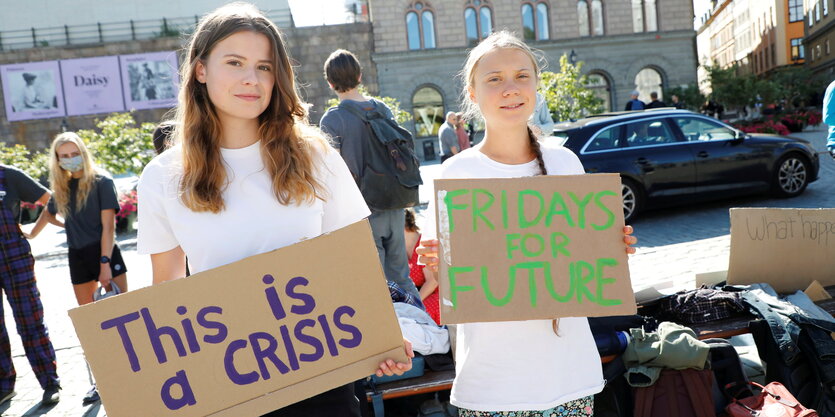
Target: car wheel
x=633 y=199
x=791 y=176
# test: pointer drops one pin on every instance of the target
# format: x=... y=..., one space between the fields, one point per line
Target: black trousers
x=338 y=402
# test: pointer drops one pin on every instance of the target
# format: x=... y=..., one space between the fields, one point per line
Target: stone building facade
x=820 y=37
x=420 y=47
x=308 y=47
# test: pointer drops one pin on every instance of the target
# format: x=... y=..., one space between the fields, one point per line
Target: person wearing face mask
x=86 y=200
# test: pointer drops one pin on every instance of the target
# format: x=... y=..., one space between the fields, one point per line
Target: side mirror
x=740 y=135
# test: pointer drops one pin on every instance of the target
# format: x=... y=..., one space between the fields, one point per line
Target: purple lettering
x=347 y=328
x=266 y=353
x=172 y=403
x=229 y=364
x=272 y=298
x=318 y=349
x=127 y=344
x=308 y=302
x=188 y=329
x=220 y=336
x=291 y=350
x=155 y=333
x=328 y=335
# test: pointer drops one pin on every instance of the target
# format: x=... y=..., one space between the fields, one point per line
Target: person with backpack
x=634 y=103
x=523 y=368
x=356 y=127
x=243 y=141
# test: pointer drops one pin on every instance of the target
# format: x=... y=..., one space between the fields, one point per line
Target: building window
x=420 y=26
x=597 y=17
x=583 y=17
x=535 y=20
x=478 y=19
x=599 y=85
x=428 y=111
x=797 y=49
x=637 y=16
x=650 y=16
x=647 y=81
x=795 y=10
x=817 y=10
x=825 y=7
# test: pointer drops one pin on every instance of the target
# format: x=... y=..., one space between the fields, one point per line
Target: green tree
x=797 y=84
x=688 y=94
x=566 y=92
x=400 y=115
x=119 y=145
x=736 y=89
x=20 y=157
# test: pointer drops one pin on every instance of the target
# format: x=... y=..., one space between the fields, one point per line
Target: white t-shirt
x=520 y=365
x=253 y=221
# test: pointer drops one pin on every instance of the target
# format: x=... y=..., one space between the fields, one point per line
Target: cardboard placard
x=532 y=248
x=786 y=248
x=248 y=337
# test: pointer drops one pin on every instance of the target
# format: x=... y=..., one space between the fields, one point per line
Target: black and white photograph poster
x=32 y=90
x=92 y=85
x=150 y=80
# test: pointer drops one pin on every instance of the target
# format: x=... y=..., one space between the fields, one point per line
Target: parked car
x=670 y=157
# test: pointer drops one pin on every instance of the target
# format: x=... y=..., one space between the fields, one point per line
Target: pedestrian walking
x=516 y=368
x=447 y=138
x=829 y=117
x=634 y=103
x=17 y=281
x=242 y=143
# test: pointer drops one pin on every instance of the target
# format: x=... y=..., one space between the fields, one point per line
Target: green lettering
x=582 y=273
x=581 y=208
x=477 y=210
x=529 y=253
x=531 y=267
x=601 y=281
x=504 y=208
x=549 y=284
x=610 y=217
x=561 y=246
x=485 y=285
x=450 y=206
x=523 y=222
x=454 y=288
x=510 y=242
x=562 y=210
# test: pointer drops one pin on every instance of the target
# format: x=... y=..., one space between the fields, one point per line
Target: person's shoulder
x=461 y=163
x=552 y=148
x=165 y=164
x=14 y=172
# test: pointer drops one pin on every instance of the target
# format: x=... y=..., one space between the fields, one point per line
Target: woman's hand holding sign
x=390 y=367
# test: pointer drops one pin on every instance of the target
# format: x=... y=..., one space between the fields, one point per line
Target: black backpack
x=391 y=174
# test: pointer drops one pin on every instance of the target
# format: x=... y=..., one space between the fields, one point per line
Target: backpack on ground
x=730 y=379
x=677 y=393
x=391 y=174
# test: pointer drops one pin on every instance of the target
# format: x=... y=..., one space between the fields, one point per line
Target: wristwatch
x=105 y=260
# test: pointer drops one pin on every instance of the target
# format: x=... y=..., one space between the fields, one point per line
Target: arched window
x=647 y=81
x=428 y=111
x=535 y=20
x=597 y=17
x=420 y=26
x=599 y=85
x=478 y=20
x=583 y=17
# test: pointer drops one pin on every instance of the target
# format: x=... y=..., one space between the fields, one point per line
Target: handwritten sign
x=532 y=248
x=246 y=338
x=786 y=248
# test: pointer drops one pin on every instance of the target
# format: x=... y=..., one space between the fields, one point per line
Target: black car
x=668 y=157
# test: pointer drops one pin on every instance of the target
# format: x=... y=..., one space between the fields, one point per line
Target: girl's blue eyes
x=261 y=67
x=490 y=80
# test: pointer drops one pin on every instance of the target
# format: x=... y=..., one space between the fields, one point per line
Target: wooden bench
x=432 y=381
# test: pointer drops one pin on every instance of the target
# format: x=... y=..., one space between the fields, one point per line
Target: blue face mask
x=71 y=164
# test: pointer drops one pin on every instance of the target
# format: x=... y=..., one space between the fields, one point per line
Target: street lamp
x=64 y=125
x=572 y=57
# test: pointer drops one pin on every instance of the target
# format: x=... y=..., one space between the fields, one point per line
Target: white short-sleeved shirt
x=520 y=365
x=253 y=221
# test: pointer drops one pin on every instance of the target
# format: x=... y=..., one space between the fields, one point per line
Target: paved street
x=673 y=245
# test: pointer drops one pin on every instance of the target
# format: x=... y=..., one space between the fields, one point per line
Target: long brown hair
x=287 y=139
x=59 y=178
x=498 y=40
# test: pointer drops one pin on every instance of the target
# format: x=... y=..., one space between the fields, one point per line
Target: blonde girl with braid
x=520 y=368
x=242 y=142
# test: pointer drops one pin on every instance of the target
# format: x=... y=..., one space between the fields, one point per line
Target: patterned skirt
x=582 y=407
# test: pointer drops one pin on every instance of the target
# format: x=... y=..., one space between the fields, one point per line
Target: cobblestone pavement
x=673 y=245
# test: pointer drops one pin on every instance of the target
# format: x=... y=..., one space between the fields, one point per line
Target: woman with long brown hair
x=243 y=144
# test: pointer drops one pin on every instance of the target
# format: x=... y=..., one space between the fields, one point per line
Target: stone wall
x=309 y=47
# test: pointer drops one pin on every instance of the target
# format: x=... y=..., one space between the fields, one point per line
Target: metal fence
x=112 y=32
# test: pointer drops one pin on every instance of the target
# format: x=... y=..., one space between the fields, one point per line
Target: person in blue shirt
x=829 y=117
x=634 y=103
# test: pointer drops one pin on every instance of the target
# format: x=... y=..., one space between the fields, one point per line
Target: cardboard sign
x=786 y=248
x=532 y=248
x=245 y=338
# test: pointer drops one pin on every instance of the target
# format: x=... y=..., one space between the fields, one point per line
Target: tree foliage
x=790 y=86
x=690 y=95
x=119 y=145
x=566 y=93
x=20 y=157
x=400 y=115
